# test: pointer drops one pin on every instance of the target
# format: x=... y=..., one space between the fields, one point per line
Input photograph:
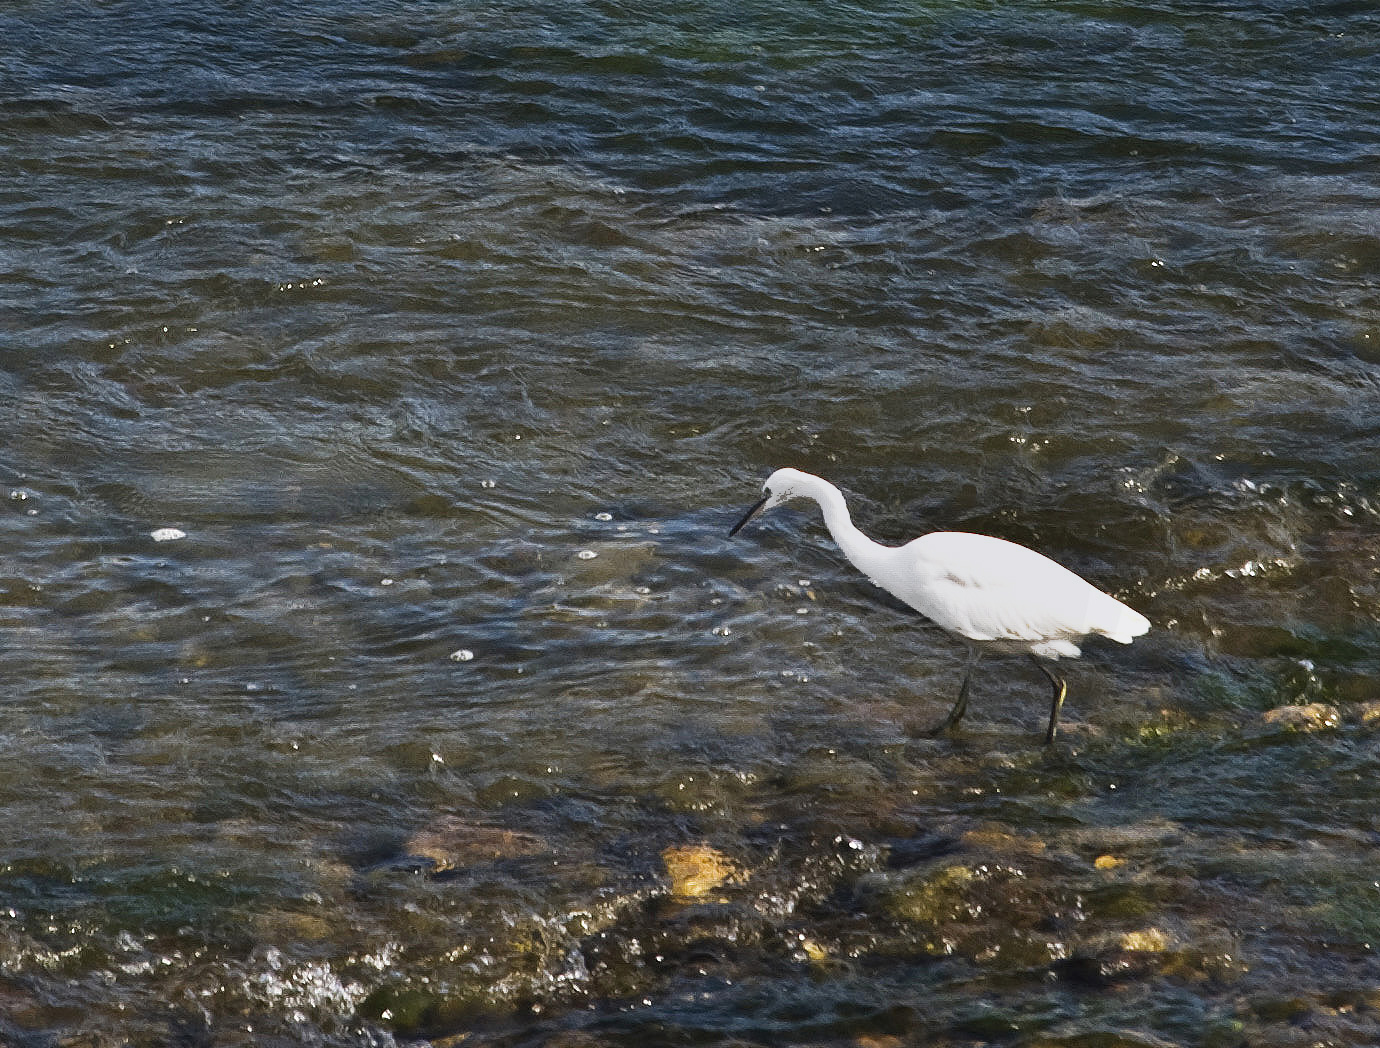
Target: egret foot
x=944 y=727
x=1057 y=702
x=950 y=722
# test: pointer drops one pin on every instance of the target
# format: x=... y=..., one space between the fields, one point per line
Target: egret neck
x=868 y=556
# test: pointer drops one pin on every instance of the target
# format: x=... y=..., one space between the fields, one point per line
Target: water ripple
x=442 y=330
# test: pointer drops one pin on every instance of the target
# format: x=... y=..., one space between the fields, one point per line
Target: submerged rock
x=1117 y=957
x=288 y=926
x=1148 y=837
x=996 y=841
x=611 y=562
x=1107 y=967
x=452 y=842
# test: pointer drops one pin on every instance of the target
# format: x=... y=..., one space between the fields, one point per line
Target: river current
x=380 y=381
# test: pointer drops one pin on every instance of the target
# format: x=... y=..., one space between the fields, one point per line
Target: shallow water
x=455 y=337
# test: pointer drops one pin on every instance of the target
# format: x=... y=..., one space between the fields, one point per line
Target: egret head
x=782 y=485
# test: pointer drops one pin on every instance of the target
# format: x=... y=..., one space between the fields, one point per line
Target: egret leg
x=1060 y=690
x=961 y=706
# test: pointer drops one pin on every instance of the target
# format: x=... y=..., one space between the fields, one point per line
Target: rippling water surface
x=454 y=336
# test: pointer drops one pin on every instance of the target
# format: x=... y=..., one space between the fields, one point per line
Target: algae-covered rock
x=411 y=1009
x=936 y=897
x=1123 y=898
x=991 y=912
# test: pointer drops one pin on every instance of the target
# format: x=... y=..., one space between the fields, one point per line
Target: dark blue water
x=452 y=339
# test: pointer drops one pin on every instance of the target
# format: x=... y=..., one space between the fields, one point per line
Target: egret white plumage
x=991 y=592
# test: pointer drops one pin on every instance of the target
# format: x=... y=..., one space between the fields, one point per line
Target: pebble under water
x=380 y=384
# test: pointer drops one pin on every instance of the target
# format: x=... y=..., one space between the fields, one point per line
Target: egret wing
x=989 y=589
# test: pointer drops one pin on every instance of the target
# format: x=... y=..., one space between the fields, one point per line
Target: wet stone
x=570 y=1039
x=697 y=869
x=1145 y=940
x=879 y=1040
x=1315 y=716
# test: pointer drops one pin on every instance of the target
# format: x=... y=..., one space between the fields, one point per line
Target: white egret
x=991 y=592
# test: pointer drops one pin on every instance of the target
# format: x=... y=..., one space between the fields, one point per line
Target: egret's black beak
x=756 y=509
